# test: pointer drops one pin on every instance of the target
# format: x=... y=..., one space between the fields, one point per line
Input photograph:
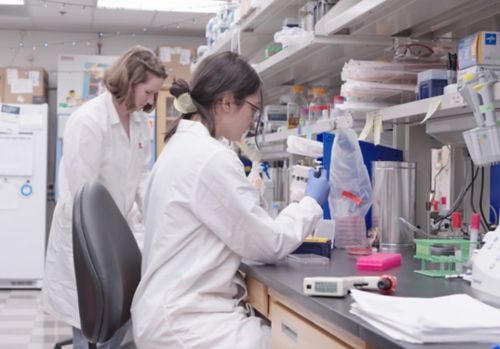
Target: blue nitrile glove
x=317 y=186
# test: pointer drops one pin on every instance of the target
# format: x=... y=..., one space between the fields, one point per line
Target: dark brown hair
x=218 y=74
x=132 y=68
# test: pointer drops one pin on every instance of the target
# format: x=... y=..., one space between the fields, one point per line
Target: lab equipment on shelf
x=275 y=117
x=318 y=107
x=483 y=142
x=297 y=108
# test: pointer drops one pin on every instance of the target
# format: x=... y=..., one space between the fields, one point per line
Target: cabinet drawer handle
x=289 y=332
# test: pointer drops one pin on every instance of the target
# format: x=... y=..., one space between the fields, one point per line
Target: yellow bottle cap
x=318 y=91
x=297 y=88
x=469 y=76
x=316 y=239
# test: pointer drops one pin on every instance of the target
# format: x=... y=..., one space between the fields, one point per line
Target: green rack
x=440 y=266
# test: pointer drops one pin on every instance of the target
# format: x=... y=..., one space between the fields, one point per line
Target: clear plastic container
x=337 y=109
x=350 y=232
x=483 y=144
x=297 y=108
x=318 y=108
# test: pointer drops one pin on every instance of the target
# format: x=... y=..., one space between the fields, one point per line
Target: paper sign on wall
x=16 y=157
x=9 y=119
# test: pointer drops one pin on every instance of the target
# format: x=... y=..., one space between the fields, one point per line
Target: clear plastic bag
x=292 y=36
x=351 y=194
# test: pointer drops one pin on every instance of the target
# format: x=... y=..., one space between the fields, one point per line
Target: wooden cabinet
x=293 y=326
x=292 y=331
x=258 y=296
x=165 y=112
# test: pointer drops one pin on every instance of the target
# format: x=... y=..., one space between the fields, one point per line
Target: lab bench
x=299 y=321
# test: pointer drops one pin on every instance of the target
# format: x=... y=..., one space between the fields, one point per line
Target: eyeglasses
x=257 y=111
x=413 y=50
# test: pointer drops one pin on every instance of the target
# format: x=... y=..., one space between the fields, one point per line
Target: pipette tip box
x=379 y=261
x=315 y=247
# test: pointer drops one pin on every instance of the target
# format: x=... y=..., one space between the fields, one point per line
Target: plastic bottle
x=318 y=108
x=336 y=111
x=297 y=108
x=475 y=221
x=254 y=176
x=268 y=187
x=456 y=224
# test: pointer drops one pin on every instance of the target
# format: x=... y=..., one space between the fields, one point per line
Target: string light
x=73 y=43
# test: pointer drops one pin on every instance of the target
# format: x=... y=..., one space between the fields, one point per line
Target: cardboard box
x=177 y=62
x=481 y=48
x=25 y=85
x=165 y=113
x=477 y=69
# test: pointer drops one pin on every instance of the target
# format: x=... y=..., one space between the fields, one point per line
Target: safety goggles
x=257 y=111
x=413 y=50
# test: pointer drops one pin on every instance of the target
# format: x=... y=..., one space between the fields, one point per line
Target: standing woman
x=105 y=140
x=202 y=217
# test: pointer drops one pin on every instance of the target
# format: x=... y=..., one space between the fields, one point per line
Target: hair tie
x=184 y=104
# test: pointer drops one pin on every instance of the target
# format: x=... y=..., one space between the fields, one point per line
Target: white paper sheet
x=34 y=76
x=9 y=123
x=16 y=156
x=11 y=75
x=453 y=318
x=30 y=122
x=21 y=86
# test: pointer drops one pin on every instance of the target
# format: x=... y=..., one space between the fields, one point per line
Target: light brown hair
x=132 y=68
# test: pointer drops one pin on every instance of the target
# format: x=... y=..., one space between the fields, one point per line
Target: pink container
x=379 y=261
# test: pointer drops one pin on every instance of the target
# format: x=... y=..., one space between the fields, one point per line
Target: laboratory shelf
x=281 y=136
x=404 y=17
x=256 y=29
x=317 y=58
x=450 y=105
x=345 y=14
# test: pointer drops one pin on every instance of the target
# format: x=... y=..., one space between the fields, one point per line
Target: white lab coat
x=95 y=147
x=202 y=217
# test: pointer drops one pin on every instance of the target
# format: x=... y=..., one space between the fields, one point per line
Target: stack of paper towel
x=454 y=318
